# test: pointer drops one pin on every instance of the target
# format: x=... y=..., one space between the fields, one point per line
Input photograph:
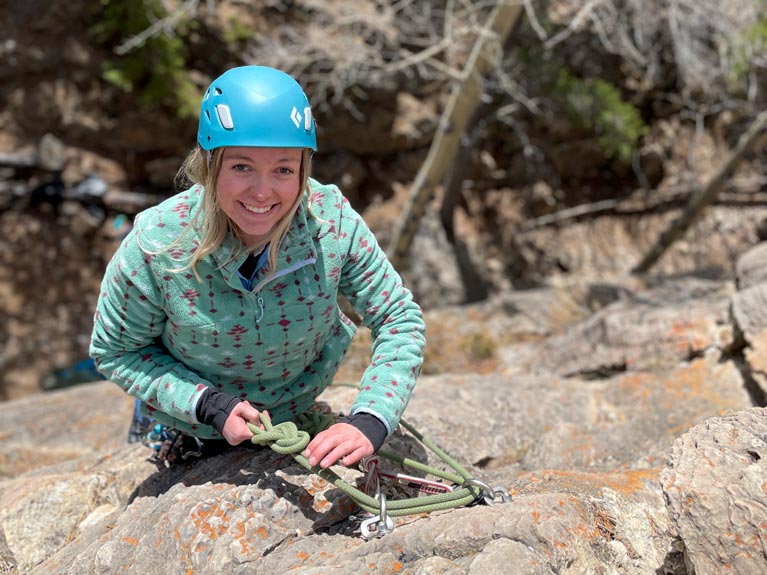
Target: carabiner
x=377 y=525
x=487 y=494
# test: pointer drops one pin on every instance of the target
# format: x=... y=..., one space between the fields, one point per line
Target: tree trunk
x=464 y=99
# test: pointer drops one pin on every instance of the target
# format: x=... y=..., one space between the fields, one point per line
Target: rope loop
x=313 y=422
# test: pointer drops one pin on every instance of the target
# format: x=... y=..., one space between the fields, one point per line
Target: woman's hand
x=339 y=442
x=235 y=431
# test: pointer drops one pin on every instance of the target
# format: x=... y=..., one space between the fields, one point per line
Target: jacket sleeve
x=377 y=293
x=128 y=321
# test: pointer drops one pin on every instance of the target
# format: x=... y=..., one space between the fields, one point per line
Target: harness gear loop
x=186 y=454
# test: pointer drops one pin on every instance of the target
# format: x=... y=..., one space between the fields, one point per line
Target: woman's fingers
x=337 y=453
x=235 y=427
x=341 y=441
x=356 y=455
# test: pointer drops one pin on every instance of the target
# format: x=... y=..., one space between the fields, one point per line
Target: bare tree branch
x=166 y=25
x=745 y=193
x=574 y=25
x=533 y=20
x=698 y=202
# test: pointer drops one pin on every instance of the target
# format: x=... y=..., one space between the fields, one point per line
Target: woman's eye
x=239 y=167
x=285 y=171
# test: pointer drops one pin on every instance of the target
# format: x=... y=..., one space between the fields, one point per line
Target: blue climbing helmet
x=256 y=106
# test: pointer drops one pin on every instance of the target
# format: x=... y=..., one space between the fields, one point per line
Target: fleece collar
x=297 y=250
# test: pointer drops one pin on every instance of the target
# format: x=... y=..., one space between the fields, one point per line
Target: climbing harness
x=461 y=490
x=170 y=445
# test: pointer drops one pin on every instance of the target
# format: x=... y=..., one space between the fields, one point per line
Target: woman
x=222 y=300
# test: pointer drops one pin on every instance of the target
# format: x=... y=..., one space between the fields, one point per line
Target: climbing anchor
x=460 y=489
x=377 y=525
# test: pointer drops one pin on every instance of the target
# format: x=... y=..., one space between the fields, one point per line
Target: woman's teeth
x=256 y=209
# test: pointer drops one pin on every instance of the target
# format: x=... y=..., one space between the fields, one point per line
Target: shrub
x=156 y=67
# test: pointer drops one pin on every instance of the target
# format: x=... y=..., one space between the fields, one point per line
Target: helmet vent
x=218 y=91
x=225 y=116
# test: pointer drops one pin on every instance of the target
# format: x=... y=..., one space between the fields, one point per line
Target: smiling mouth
x=258 y=209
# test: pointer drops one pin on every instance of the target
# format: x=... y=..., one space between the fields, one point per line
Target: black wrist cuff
x=214 y=407
x=371 y=427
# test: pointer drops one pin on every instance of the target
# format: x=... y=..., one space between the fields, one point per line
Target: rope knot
x=284 y=438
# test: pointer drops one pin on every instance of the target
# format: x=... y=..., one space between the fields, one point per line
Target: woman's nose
x=259 y=186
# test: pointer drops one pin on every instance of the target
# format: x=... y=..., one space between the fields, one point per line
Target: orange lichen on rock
x=203 y=515
x=682 y=335
x=626 y=482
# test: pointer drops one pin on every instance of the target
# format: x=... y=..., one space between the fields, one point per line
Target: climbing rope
x=286 y=438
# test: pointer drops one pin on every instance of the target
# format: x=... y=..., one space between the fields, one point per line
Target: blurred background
x=559 y=140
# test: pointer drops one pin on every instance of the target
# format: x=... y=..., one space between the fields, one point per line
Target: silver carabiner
x=504 y=495
x=374 y=527
x=488 y=494
x=381 y=524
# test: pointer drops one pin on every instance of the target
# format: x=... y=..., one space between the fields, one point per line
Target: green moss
x=155 y=70
x=237 y=32
x=598 y=106
x=750 y=45
x=479 y=347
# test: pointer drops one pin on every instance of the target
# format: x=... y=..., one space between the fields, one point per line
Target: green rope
x=285 y=438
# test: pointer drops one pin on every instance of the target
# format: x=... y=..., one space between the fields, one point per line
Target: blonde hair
x=201 y=168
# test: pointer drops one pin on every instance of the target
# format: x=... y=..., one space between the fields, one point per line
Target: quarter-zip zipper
x=277 y=274
x=260 y=302
x=282 y=272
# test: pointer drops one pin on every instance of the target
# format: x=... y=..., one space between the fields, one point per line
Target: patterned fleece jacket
x=164 y=336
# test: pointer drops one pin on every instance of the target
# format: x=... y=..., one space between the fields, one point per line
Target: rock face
x=749 y=309
x=716 y=490
x=631 y=440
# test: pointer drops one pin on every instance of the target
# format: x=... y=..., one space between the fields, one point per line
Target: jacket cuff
x=370 y=426
x=214 y=407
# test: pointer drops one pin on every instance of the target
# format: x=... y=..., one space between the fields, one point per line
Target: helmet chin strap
x=209 y=156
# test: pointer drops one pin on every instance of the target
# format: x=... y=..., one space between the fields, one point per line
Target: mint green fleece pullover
x=165 y=337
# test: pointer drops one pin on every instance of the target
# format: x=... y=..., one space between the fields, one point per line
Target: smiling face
x=257 y=187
